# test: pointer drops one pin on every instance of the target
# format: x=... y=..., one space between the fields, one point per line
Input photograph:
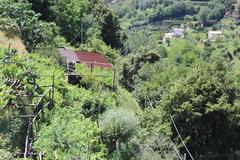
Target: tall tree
x=109 y=25
x=204 y=106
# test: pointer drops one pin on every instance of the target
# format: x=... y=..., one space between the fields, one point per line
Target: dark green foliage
x=205 y=108
x=215 y=11
x=134 y=63
x=42 y=7
x=177 y=10
x=109 y=26
x=13 y=129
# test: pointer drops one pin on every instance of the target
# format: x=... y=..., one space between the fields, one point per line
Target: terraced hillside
x=135 y=13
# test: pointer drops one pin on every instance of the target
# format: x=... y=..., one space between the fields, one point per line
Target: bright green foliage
x=183 y=52
x=13 y=127
x=72 y=106
x=5 y=95
x=5 y=155
x=31 y=30
x=126 y=101
x=96 y=76
x=152 y=123
x=68 y=16
x=193 y=79
x=69 y=136
x=9 y=26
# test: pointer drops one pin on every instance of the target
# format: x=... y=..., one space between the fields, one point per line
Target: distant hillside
x=14 y=42
x=135 y=13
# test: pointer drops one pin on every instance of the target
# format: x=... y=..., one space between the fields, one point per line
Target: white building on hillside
x=213 y=35
x=178 y=32
x=167 y=36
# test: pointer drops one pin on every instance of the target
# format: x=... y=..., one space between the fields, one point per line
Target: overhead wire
x=179 y=135
x=174 y=146
x=176 y=150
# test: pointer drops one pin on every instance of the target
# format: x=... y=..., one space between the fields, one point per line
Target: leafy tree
x=205 y=108
x=9 y=26
x=117 y=127
x=5 y=155
x=157 y=147
x=203 y=15
x=68 y=16
x=132 y=65
x=32 y=31
x=110 y=27
x=97 y=45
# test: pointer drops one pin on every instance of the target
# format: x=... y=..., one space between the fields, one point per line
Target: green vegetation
x=134 y=13
x=161 y=98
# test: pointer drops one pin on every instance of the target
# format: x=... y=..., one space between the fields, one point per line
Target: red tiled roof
x=95 y=59
x=87 y=58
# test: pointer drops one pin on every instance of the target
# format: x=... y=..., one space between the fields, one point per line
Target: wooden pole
x=114 y=77
x=145 y=98
x=27 y=139
x=53 y=85
x=91 y=67
x=82 y=33
x=9 y=47
x=88 y=148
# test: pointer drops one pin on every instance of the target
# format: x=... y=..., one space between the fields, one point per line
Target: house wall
x=213 y=36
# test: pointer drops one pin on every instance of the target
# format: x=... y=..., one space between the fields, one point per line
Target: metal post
x=53 y=84
x=145 y=98
x=82 y=33
x=185 y=156
x=91 y=67
x=27 y=139
x=9 y=47
x=114 y=76
x=40 y=156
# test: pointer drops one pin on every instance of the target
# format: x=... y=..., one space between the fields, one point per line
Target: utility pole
x=82 y=33
x=53 y=85
x=145 y=104
x=9 y=48
x=114 y=76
